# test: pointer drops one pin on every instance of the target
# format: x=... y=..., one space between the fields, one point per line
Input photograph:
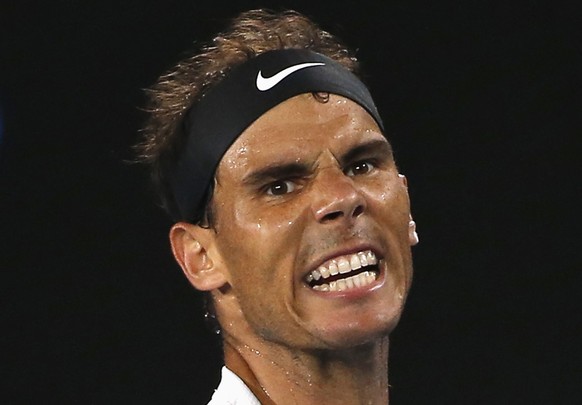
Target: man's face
x=313 y=186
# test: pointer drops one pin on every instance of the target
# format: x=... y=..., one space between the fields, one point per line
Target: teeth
x=350 y=282
x=343 y=265
x=355 y=262
x=363 y=259
x=360 y=280
x=316 y=274
x=333 y=270
x=357 y=281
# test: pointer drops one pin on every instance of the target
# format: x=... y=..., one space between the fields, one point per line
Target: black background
x=481 y=102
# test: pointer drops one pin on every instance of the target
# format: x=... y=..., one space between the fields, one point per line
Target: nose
x=336 y=198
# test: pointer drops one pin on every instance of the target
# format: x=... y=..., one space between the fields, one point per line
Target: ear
x=412 y=234
x=191 y=245
x=403 y=179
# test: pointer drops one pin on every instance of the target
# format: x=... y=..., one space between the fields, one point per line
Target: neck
x=280 y=375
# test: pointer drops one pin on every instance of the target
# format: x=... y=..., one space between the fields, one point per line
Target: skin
x=306 y=182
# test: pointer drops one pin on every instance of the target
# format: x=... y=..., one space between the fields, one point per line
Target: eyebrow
x=376 y=147
x=277 y=171
x=282 y=170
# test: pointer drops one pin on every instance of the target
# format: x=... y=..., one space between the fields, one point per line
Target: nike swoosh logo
x=267 y=83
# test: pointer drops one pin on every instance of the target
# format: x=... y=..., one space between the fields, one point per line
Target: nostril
x=358 y=211
x=331 y=216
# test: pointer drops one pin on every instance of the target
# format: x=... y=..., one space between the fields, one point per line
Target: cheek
x=260 y=252
x=389 y=205
x=388 y=198
x=259 y=242
x=264 y=221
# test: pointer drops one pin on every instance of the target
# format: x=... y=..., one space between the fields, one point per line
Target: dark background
x=481 y=102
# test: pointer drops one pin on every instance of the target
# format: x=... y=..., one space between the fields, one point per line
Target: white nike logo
x=267 y=83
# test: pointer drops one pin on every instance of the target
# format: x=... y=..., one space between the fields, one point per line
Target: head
x=250 y=34
x=303 y=239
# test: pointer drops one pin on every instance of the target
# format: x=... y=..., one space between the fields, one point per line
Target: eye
x=359 y=168
x=281 y=187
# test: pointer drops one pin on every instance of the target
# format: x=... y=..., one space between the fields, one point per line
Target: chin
x=361 y=332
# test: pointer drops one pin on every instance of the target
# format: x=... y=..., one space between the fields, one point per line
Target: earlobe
x=190 y=245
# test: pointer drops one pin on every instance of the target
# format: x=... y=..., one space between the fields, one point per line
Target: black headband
x=247 y=92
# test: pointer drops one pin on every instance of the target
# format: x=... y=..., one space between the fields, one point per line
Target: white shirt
x=232 y=391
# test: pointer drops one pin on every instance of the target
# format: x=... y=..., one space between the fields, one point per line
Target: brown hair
x=250 y=34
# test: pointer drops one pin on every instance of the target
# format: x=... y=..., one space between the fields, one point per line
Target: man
x=290 y=212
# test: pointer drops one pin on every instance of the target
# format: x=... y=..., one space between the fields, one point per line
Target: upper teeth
x=342 y=265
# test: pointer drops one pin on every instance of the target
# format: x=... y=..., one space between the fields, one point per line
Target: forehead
x=302 y=126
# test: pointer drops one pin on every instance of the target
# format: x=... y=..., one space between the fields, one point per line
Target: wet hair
x=249 y=35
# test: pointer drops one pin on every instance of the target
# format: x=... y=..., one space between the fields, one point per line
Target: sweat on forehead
x=247 y=92
x=297 y=133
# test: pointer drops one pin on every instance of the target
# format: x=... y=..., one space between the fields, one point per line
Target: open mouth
x=345 y=272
